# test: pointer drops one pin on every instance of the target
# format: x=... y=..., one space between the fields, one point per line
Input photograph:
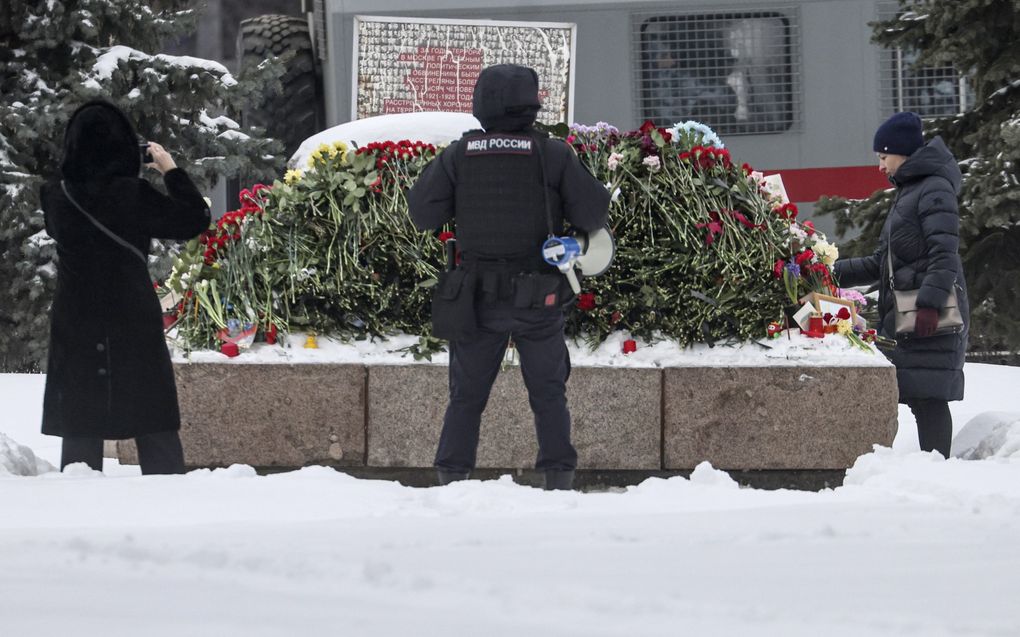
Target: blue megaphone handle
x=560 y=251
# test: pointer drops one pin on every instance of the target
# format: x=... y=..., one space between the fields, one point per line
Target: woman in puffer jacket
x=921 y=237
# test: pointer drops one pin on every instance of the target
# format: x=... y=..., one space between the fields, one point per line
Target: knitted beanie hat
x=899 y=135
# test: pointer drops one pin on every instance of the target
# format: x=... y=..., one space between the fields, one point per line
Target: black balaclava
x=506 y=98
x=100 y=143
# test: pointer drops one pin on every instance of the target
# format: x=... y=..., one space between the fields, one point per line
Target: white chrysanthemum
x=826 y=252
x=708 y=136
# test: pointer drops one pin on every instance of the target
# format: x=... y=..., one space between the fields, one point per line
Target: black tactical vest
x=500 y=208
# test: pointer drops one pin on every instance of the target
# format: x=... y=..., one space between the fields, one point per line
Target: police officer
x=508 y=187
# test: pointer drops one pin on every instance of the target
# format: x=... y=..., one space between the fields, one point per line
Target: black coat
x=576 y=196
x=923 y=231
x=109 y=373
x=505 y=100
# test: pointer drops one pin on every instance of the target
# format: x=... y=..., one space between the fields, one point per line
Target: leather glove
x=927 y=322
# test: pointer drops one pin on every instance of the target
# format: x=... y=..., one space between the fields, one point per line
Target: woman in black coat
x=922 y=232
x=109 y=374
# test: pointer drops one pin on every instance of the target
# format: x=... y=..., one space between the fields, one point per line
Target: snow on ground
x=19 y=460
x=910 y=545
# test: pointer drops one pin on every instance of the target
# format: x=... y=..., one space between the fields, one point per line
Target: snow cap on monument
x=506 y=98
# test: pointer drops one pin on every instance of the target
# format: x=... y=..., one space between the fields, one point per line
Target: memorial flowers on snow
x=705 y=252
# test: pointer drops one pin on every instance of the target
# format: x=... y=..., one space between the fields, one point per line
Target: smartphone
x=143 y=148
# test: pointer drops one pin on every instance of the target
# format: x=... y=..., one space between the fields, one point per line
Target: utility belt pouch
x=453 y=305
x=536 y=290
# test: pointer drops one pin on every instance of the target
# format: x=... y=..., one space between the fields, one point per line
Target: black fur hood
x=506 y=98
x=100 y=143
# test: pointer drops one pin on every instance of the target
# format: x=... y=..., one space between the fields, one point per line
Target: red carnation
x=787 y=211
x=629 y=346
x=777 y=269
x=714 y=227
x=445 y=236
x=586 y=302
x=804 y=256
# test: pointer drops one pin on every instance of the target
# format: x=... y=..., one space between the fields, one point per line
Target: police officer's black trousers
x=545 y=365
x=158 y=453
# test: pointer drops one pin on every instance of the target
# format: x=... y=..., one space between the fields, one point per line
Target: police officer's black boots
x=446 y=477
x=556 y=480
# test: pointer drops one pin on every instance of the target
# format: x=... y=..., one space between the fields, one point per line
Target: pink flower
x=852 y=295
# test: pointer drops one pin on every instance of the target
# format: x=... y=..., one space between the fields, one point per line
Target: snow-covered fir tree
x=55 y=55
x=978 y=38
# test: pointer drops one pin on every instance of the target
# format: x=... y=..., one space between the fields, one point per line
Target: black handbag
x=905 y=309
x=453 y=305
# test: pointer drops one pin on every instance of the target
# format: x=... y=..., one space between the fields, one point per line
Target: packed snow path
x=910 y=545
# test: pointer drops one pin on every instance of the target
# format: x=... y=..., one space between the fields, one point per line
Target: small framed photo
x=826 y=304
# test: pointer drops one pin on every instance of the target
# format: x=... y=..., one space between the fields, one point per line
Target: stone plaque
x=406 y=65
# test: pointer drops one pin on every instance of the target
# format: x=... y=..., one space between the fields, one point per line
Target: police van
x=793 y=86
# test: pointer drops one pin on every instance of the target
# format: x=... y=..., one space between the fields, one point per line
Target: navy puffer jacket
x=922 y=230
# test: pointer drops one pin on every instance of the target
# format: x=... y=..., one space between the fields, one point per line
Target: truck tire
x=297 y=112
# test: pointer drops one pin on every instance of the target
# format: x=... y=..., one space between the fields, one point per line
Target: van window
x=929 y=91
x=736 y=72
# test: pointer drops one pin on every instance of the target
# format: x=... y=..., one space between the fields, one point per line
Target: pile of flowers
x=699 y=237
x=705 y=251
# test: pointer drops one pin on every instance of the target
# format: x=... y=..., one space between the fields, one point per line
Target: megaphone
x=592 y=252
x=598 y=249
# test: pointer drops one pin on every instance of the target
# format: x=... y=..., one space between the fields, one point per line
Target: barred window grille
x=929 y=91
x=737 y=72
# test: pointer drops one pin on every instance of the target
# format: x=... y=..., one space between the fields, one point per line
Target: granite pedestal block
x=615 y=413
x=746 y=418
x=269 y=415
x=388 y=417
